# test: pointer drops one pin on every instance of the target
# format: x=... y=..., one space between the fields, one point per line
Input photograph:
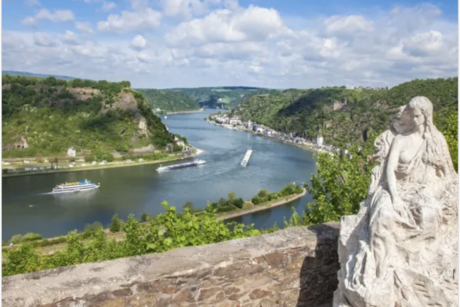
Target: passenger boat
x=73 y=187
x=182 y=165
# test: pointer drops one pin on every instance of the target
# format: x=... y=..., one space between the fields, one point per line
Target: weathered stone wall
x=292 y=267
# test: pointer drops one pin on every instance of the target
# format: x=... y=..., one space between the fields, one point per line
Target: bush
x=262 y=193
x=182 y=230
x=188 y=205
x=225 y=208
x=298 y=190
x=222 y=202
x=16 y=239
x=116 y=223
x=92 y=228
x=255 y=200
x=145 y=217
x=238 y=202
x=31 y=237
x=273 y=196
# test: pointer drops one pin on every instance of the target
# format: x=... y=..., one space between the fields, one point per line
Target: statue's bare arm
x=391 y=167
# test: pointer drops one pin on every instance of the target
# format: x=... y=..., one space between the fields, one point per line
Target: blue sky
x=188 y=43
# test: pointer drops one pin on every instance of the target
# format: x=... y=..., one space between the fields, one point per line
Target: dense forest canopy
x=169 y=101
x=53 y=114
x=309 y=112
x=228 y=96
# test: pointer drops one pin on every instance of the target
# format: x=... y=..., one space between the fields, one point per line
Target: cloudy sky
x=267 y=43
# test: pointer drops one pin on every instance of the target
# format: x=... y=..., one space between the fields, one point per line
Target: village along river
x=140 y=189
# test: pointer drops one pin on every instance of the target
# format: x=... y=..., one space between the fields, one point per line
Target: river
x=140 y=189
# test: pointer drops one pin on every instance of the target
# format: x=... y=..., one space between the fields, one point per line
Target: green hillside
x=33 y=75
x=169 y=101
x=228 y=97
x=52 y=115
x=308 y=112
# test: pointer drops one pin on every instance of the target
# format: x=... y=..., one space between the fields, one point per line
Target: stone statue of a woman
x=401 y=248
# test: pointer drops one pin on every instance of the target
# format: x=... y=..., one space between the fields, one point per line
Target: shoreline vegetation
x=135 y=237
x=115 y=164
x=262 y=201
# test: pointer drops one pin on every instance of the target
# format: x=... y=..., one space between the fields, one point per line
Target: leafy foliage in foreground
x=56 y=114
x=339 y=186
x=163 y=232
x=169 y=101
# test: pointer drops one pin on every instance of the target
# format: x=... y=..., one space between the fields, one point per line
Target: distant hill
x=227 y=96
x=168 y=101
x=344 y=115
x=44 y=117
x=33 y=75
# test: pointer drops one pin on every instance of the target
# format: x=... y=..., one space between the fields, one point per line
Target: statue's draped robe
x=404 y=258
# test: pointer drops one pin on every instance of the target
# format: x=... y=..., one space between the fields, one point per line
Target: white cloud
x=144 y=58
x=29 y=21
x=251 y=24
x=45 y=14
x=131 y=21
x=186 y=9
x=84 y=27
x=108 y=6
x=423 y=44
x=70 y=38
x=44 y=40
x=138 y=43
x=347 y=25
x=235 y=45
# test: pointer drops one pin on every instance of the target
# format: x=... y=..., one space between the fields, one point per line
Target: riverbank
x=120 y=236
x=263 y=206
x=302 y=146
x=115 y=164
x=186 y=112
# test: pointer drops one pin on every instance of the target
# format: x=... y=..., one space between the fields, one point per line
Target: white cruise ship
x=74 y=187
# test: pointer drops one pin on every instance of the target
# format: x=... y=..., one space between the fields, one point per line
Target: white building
x=320 y=140
x=234 y=121
x=71 y=152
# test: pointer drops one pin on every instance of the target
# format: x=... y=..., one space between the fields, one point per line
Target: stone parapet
x=291 y=267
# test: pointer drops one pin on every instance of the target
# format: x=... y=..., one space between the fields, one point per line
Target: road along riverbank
x=303 y=146
x=115 y=164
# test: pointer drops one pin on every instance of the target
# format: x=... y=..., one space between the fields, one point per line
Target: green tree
x=116 y=223
x=188 y=205
x=222 y=202
x=339 y=186
x=451 y=134
x=262 y=193
x=231 y=198
x=145 y=217
x=238 y=202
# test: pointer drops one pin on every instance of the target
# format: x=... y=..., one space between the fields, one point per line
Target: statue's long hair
x=434 y=153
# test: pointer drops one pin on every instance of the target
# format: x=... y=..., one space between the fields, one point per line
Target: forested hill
x=169 y=101
x=51 y=115
x=227 y=97
x=310 y=112
x=29 y=74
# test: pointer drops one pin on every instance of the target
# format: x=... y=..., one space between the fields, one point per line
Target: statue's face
x=418 y=117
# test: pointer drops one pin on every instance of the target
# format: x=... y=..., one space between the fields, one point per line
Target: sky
x=264 y=43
